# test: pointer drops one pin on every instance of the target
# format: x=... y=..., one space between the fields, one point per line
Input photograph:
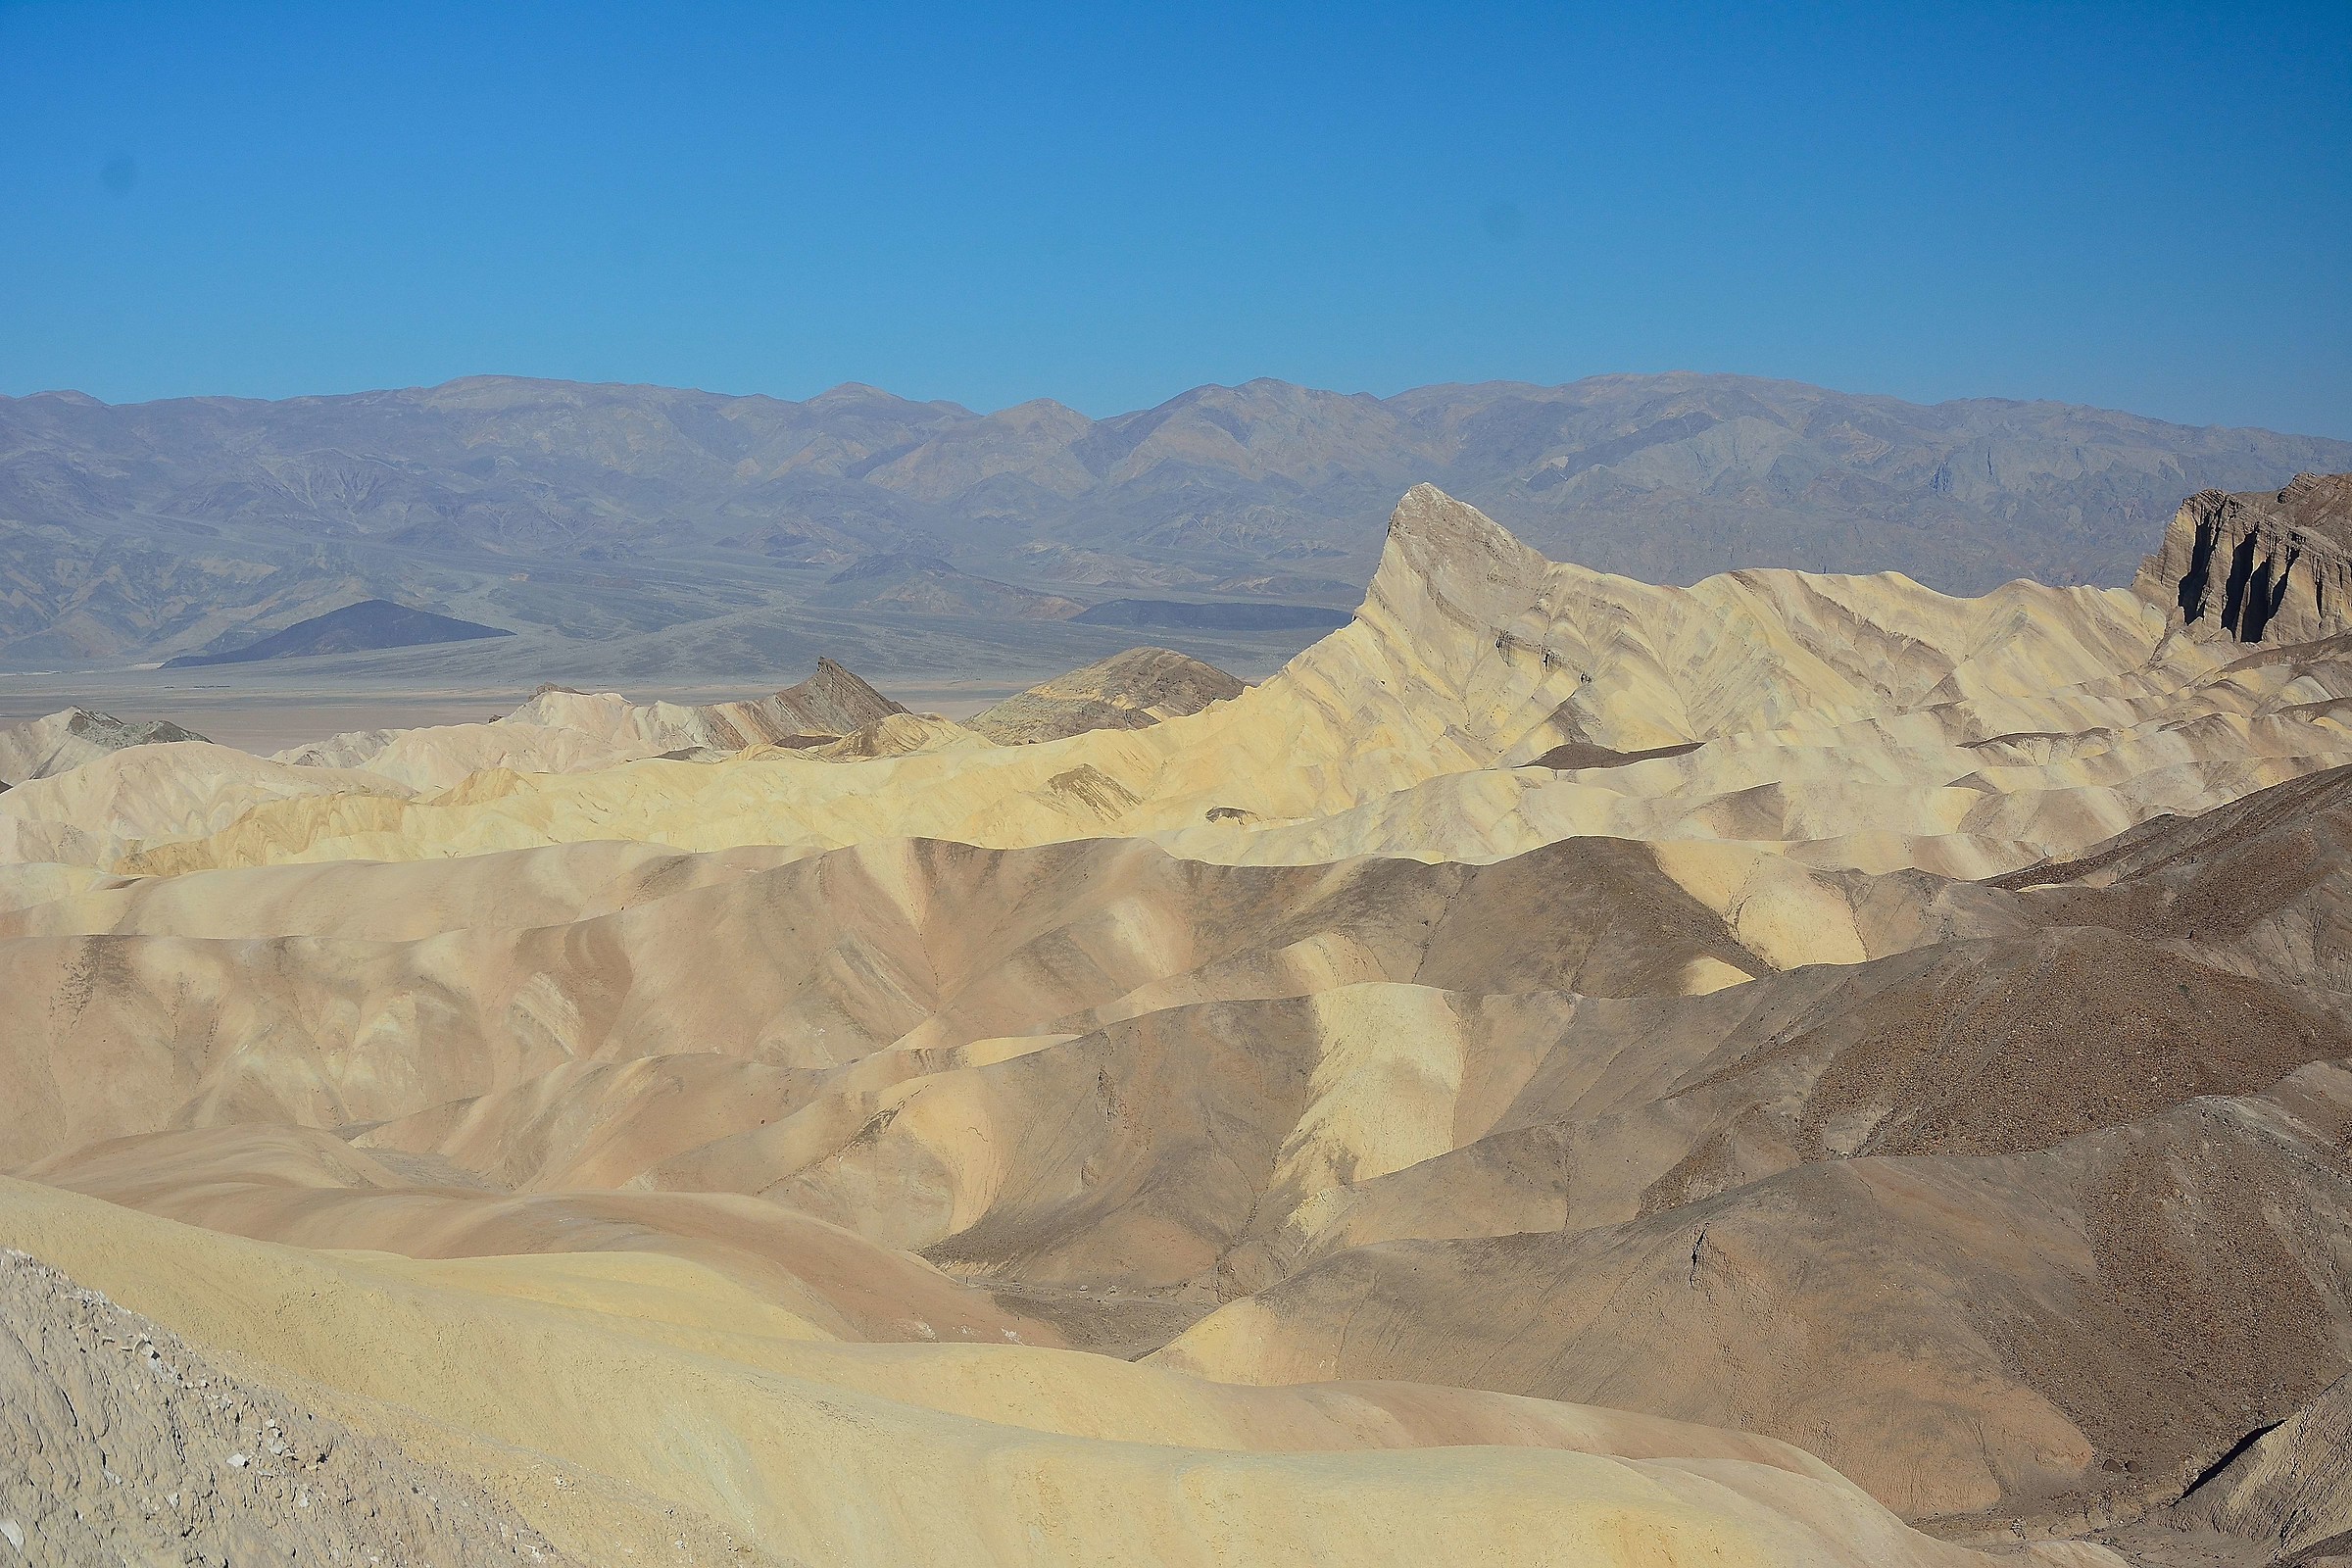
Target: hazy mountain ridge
x=150 y=529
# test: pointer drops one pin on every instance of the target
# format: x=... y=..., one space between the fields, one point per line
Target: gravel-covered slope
x=121 y=1445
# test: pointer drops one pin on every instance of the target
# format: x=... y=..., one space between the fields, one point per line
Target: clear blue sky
x=2144 y=205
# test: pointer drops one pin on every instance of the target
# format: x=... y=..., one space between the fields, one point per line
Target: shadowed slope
x=1052 y=1076
x=369 y=623
x=828 y=960
x=2095 y=1099
x=2288 y=1492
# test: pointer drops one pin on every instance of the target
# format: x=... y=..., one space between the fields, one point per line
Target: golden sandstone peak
x=1431 y=531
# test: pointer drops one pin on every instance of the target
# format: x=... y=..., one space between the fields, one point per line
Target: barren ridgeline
x=653 y=536
x=1789 y=1069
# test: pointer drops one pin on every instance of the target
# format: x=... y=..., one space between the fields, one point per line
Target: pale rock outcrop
x=833 y=702
x=564 y=731
x=64 y=740
x=2290 y=1490
x=1132 y=690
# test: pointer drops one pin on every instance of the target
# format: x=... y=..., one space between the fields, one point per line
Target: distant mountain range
x=629 y=528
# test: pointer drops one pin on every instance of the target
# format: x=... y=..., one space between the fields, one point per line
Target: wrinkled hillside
x=1789 y=1069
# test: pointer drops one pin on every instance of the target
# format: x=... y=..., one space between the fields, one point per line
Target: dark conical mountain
x=355 y=628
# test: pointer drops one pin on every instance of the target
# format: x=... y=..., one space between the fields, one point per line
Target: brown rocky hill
x=2259 y=567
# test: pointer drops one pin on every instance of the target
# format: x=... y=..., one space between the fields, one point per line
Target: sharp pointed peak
x=1427 y=518
x=1450 y=550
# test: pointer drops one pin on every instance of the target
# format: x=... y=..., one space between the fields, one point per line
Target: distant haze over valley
x=633 y=533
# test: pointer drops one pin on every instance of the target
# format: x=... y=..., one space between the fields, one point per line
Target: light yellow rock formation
x=560 y=731
x=1130 y=689
x=64 y=740
x=1843 y=721
x=605 y=1401
x=1546 y=985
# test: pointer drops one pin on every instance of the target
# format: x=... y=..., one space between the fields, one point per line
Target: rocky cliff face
x=2259 y=567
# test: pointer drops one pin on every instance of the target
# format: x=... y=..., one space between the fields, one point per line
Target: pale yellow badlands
x=1862 y=721
x=638 y=1410
x=577 y=1116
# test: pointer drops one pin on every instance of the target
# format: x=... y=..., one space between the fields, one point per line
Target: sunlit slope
x=607 y=1405
x=2009 y=1200
x=1852 y=721
x=325 y=995
x=1548 y=987
x=1817 y=1204
x=560 y=731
